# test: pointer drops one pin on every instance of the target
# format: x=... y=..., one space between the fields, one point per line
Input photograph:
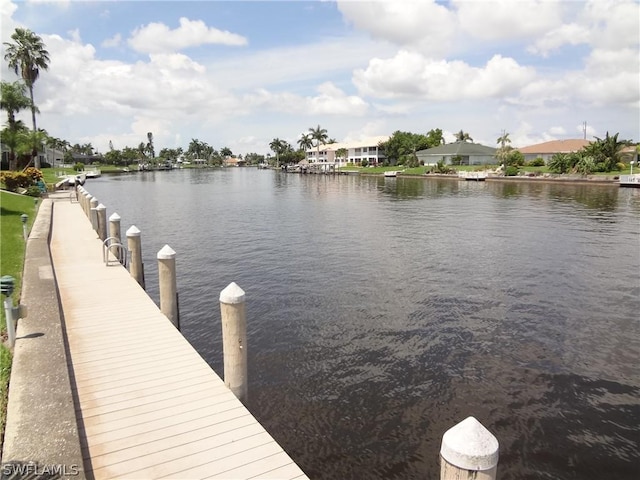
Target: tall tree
x=278 y=147
x=27 y=56
x=463 y=136
x=503 y=152
x=320 y=136
x=342 y=153
x=402 y=146
x=305 y=142
x=435 y=137
x=13 y=99
x=150 y=150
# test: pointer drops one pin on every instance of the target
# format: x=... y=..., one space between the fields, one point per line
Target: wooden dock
x=148 y=406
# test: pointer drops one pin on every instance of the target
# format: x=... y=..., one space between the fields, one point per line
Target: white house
x=357 y=151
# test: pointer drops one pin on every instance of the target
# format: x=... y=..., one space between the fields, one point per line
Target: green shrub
x=33 y=191
x=511 y=171
x=620 y=166
x=560 y=163
x=78 y=167
x=365 y=162
x=537 y=162
x=15 y=180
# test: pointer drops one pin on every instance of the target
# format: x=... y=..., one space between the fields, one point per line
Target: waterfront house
x=464 y=153
x=546 y=150
x=356 y=151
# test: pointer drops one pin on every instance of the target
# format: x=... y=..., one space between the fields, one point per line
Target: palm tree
x=503 y=139
x=342 y=153
x=278 y=146
x=606 y=151
x=150 y=150
x=462 y=136
x=14 y=138
x=320 y=136
x=142 y=150
x=26 y=57
x=503 y=153
x=305 y=142
x=13 y=99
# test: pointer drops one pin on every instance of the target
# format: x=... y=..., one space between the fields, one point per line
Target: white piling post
x=102 y=221
x=168 y=287
x=94 y=213
x=85 y=203
x=234 y=340
x=115 y=231
x=468 y=450
x=134 y=244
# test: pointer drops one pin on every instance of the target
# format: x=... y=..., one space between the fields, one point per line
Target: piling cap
x=166 y=253
x=101 y=207
x=114 y=217
x=469 y=445
x=133 y=231
x=232 y=294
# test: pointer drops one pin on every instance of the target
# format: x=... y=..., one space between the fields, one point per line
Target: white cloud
x=333 y=101
x=330 y=100
x=295 y=64
x=426 y=25
x=614 y=24
x=159 y=38
x=114 y=41
x=568 y=34
x=508 y=19
x=557 y=131
x=409 y=74
x=602 y=24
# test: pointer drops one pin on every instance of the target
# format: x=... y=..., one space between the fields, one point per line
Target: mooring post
x=134 y=244
x=85 y=203
x=234 y=340
x=168 y=286
x=115 y=231
x=468 y=450
x=94 y=213
x=102 y=221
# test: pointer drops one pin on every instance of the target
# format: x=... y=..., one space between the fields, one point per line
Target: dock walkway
x=148 y=406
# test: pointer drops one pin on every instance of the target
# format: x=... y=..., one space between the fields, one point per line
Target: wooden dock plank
x=149 y=405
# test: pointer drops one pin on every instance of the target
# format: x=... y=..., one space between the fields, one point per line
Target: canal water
x=383 y=311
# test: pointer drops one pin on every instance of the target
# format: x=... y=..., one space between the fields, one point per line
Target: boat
x=632 y=180
x=473 y=176
x=93 y=172
x=71 y=180
x=391 y=173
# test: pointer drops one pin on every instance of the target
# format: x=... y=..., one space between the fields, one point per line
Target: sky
x=238 y=74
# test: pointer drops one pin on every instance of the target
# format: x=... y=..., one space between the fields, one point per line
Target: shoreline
x=608 y=180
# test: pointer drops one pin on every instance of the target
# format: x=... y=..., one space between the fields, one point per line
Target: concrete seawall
x=41 y=423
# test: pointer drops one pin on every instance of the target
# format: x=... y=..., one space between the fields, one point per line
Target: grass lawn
x=11 y=263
